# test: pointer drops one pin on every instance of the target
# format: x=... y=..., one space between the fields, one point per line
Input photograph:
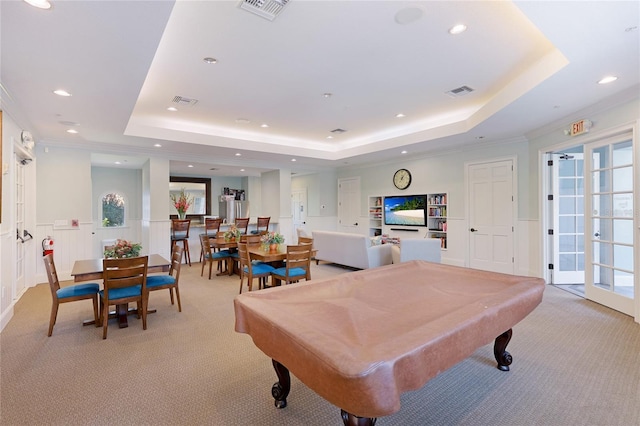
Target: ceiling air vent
x=181 y=100
x=267 y=9
x=460 y=91
x=338 y=131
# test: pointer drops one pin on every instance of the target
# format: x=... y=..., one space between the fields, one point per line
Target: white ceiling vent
x=181 y=100
x=460 y=91
x=267 y=9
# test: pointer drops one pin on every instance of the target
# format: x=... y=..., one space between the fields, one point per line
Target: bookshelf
x=375 y=215
x=437 y=217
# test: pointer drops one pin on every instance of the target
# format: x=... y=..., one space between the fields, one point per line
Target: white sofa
x=417 y=249
x=354 y=250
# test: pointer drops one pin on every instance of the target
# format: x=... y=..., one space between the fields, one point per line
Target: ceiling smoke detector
x=181 y=100
x=267 y=9
x=460 y=91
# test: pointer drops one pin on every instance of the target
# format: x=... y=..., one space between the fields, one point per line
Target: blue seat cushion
x=235 y=255
x=157 y=280
x=124 y=292
x=78 y=290
x=180 y=235
x=260 y=268
x=293 y=272
x=217 y=255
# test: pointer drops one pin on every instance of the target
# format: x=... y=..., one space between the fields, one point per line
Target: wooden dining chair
x=242 y=223
x=168 y=281
x=298 y=265
x=125 y=281
x=180 y=233
x=251 y=239
x=72 y=293
x=251 y=270
x=212 y=225
x=210 y=256
x=262 y=227
x=211 y=228
x=305 y=240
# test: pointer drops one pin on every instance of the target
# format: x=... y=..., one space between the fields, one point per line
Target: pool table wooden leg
x=499 y=350
x=351 y=420
x=280 y=389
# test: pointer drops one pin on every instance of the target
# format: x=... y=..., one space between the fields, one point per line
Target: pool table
x=361 y=339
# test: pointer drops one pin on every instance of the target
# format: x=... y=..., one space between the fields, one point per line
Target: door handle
x=473 y=230
x=597 y=234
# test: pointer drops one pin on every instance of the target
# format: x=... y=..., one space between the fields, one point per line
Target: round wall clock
x=402 y=179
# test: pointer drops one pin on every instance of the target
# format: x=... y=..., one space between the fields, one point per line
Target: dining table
x=91 y=269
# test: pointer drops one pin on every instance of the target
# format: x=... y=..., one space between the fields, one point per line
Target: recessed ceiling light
x=608 y=79
x=327 y=95
x=293 y=159
x=238 y=154
x=209 y=60
x=172 y=109
x=457 y=29
x=190 y=165
x=117 y=162
x=61 y=92
x=72 y=131
x=329 y=137
x=242 y=120
x=403 y=152
x=400 y=115
x=157 y=145
x=40 y=4
x=264 y=125
x=242 y=170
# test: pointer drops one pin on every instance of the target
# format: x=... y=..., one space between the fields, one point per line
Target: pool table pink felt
x=361 y=339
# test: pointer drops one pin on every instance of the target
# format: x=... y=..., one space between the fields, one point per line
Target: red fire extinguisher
x=47 y=246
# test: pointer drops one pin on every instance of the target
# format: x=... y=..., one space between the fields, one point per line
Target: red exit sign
x=580 y=127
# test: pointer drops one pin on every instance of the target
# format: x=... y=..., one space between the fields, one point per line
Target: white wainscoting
x=71 y=244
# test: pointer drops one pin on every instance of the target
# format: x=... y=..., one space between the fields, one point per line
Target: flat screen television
x=405 y=210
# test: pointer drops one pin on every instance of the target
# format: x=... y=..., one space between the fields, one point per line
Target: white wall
x=444 y=172
x=128 y=183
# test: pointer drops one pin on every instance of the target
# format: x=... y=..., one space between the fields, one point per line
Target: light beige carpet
x=575 y=363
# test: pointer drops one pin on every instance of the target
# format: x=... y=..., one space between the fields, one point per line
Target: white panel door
x=610 y=253
x=490 y=187
x=348 y=204
x=298 y=209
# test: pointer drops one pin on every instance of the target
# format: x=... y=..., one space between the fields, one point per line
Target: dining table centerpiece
x=181 y=202
x=232 y=234
x=271 y=240
x=122 y=249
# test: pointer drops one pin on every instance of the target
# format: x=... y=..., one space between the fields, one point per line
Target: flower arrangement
x=232 y=233
x=123 y=248
x=182 y=202
x=272 y=238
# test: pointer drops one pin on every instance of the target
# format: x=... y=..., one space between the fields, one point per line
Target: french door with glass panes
x=609 y=228
x=568 y=230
